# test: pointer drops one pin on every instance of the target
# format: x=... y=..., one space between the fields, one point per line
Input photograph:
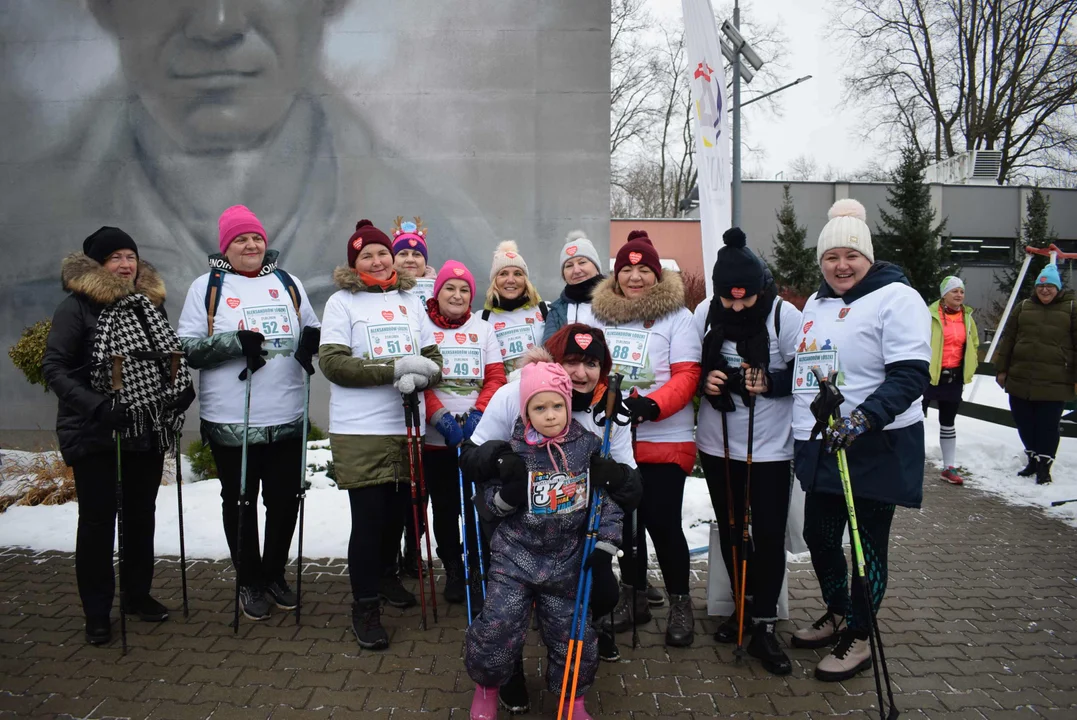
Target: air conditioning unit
x=975 y=167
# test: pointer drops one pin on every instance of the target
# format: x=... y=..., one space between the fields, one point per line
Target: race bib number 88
x=556 y=493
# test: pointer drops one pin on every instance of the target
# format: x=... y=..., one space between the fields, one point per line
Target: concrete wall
x=487 y=118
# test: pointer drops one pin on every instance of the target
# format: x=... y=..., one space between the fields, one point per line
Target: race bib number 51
x=803 y=378
x=556 y=493
x=390 y=340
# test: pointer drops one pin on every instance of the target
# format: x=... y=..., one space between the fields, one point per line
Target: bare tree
x=803 y=167
x=632 y=79
x=949 y=76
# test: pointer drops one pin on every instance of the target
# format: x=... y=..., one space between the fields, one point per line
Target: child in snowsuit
x=542 y=499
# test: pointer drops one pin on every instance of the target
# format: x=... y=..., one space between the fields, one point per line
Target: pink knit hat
x=543 y=377
x=235 y=221
x=454 y=270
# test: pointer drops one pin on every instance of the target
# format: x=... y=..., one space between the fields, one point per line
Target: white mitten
x=411 y=382
x=415 y=364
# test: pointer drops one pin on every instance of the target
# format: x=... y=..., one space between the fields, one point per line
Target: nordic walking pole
x=734 y=583
x=744 y=537
x=241 y=503
x=117 y=386
x=424 y=500
x=408 y=424
x=478 y=543
x=176 y=356
x=833 y=403
x=463 y=535
x=1056 y=503
x=302 y=497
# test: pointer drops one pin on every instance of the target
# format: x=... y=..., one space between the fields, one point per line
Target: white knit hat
x=847 y=228
x=507 y=255
x=577 y=245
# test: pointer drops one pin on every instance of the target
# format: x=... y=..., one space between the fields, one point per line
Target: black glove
x=513 y=473
x=309 y=340
x=604 y=589
x=112 y=415
x=182 y=401
x=251 y=342
x=606 y=473
x=642 y=409
x=621 y=414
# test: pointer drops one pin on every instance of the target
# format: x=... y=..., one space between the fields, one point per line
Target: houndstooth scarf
x=128 y=327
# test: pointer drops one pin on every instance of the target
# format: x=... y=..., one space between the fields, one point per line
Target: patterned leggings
x=825 y=519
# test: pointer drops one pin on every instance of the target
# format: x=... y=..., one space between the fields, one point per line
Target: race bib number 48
x=390 y=340
x=803 y=378
x=556 y=493
x=515 y=341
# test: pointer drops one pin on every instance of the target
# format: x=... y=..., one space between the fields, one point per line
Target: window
x=982 y=251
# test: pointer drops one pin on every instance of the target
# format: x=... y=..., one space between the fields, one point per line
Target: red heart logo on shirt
x=635 y=356
x=387 y=314
x=807 y=326
x=499 y=326
x=438 y=337
x=233 y=303
x=635 y=257
x=377 y=350
x=461 y=338
x=571 y=250
x=583 y=340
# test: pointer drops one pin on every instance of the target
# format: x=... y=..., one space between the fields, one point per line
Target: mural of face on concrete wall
x=488 y=118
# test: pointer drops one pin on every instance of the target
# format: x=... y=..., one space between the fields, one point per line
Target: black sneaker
x=282 y=595
x=454 y=581
x=1030 y=468
x=512 y=696
x=410 y=562
x=253 y=603
x=655 y=598
x=765 y=647
x=623 y=615
x=607 y=643
x=366 y=624
x=98 y=630
x=393 y=592
x=680 y=628
x=147 y=609
x=1043 y=469
x=727 y=631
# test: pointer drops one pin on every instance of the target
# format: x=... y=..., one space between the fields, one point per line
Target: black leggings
x=1038 y=424
x=377 y=519
x=274 y=466
x=660 y=513
x=95 y=483
x=443 y=486
x=771 y=482
x=825 y=518
x=947 y=411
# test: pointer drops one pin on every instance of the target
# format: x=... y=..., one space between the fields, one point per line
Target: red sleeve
x=432 y=404
x=493 y=378
x=678 y=390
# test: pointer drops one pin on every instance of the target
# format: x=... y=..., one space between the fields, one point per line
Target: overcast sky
x=813 y=120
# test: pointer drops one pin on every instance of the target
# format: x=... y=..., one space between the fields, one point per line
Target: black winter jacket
x=68 y=362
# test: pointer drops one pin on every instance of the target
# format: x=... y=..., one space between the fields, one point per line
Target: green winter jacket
x=1038 y=350
x=366 y=460
x=972 y=344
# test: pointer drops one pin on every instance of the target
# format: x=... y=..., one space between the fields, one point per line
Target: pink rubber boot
x=484 y=703
x=579 y=712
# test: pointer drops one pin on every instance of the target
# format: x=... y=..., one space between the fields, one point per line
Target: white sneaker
x=851 y=655
x=822 y=632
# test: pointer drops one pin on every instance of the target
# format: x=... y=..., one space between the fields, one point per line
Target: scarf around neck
x=371 y=281
x=581 y=292
x=510 y=305
x=433 y=311
x=747 y=328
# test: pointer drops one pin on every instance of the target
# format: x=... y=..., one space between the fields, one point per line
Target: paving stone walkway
x=980 y=622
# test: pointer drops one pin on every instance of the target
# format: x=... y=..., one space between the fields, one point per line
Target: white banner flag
x=706 y=74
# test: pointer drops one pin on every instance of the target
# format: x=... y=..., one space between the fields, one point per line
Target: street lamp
x=739 y=47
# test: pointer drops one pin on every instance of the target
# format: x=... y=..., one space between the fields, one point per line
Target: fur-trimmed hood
x=83 y=275
x=347 y=279
x=612 y=308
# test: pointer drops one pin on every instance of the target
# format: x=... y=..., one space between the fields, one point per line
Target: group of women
x=398 y=326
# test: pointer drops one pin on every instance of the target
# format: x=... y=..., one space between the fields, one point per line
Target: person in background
x=749 y=344
x=115 y=306
x=263 y=321
x=513 y=305
x=1037 y=367
x=955 y=343
x=654 y=343
x=472 y=372
x=581 y=268
x=866 y=323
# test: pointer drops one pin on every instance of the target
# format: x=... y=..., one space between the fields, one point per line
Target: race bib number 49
x=273 y=321
x=390 y=340
x=826 y=361
x=556 y=493
x=463 y=363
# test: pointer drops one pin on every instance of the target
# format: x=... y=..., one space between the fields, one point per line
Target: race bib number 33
x=556 y=493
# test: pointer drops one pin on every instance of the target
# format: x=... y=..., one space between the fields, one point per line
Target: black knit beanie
x=106 y=241
x=738 y=272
